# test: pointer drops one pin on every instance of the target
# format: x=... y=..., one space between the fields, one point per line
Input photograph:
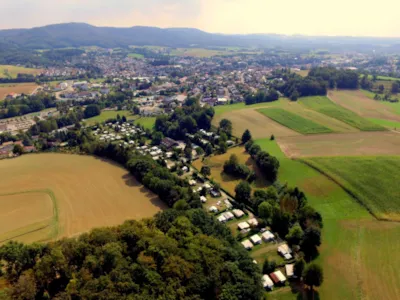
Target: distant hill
x=81 y=34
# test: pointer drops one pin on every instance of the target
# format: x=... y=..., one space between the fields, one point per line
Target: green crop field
x=109 y=114
x=327 y=107
x=373 y=180
x=136 y=55
x=353 y=268
x=147 y=122
x=293 y=121
x=393 y=125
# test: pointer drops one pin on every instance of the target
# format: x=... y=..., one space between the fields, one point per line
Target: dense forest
x=26 y=104
x=175 y=255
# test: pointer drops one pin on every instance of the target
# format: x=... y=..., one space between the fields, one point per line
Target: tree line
x=175 y=255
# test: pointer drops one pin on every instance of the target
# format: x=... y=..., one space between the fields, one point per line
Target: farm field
x=197 y=52
x=87 y=192
x=325 y=106
x=108 y=114
x=341 y=144
x=136 y=55
x=377 y=190
x=303 y=73
x=362 y=105
x=147 y=122
x=8 y=71
x=19 y=88
x=293 y=121
x=246 y=117
x=351 y=237
x=37 y=209
x=216 y=163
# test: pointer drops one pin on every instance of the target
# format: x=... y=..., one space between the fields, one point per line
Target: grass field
x=216 y=163
x=197 y=52
x=325 y=106
x=293 y=121
x=8 y=71
x=341 y=144
x=18 y=88
x=303 y=73
x=87 y=192
x=358 y=252
x=146 y=122
x=361 y=103
x=136 y=55
x=108 y=114
x=372 y=180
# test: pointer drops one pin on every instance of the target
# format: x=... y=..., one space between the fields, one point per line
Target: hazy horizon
x=308 y=17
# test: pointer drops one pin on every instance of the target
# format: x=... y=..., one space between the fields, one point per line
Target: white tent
x=267 y=236
x=255 y=239
x=229 y=216
x=238 y=213
x=203 y=199
x=213 y=209
x=267 y=282
x=243 y=225
x=221 y=219
x=247 y=244
x=289 y=270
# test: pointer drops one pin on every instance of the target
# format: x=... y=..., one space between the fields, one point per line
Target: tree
x=209 y=150
x=91 y=110
x=18 y=150
x=205 y=171
x=254 y=150
x=395 y=87
x=313 y=276
x=295 y=235
x=157 y=137
x=223 y=147
x=272 y=138
x=246 y=136
x=381 y=88
x=295 y=95
x=265 y=210
x=298 y=267
x=243 y=192
x=226 y=127
x=25 y=288
x=124 y=119
x=269 y=266
x=311 y=240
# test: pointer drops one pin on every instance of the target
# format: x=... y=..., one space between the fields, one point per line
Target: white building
x=255 y=239
x=247 y=244
x=267 y=282
x=238 y=213
x=243 y=225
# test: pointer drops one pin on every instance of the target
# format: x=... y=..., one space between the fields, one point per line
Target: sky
x=308 y=17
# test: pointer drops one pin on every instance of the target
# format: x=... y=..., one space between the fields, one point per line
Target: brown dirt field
x=359 y=103
x=19 y=88
x=341 y=144
x=35 y=208
x=259 y=125
x=216 y=163
x=89 y=192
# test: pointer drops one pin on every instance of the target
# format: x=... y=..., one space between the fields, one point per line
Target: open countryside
x=88 y=192
x=351 y=237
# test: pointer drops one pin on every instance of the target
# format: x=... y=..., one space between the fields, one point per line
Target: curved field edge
x=52 y=223
x=294 y=121
x=377 y=209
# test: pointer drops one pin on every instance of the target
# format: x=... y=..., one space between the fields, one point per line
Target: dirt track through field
x=359 y=103
x=89 y=192
x=343 y=144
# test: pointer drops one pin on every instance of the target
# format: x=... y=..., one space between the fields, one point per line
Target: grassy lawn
x=327 y=107
x=108 y=114
x=147 y=122
x=216 y=163
x=13 y=71
x=293 y=121
x=353 y=268
x=373 y=180
x=136 y=55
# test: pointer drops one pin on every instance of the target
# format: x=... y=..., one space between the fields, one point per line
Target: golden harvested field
x=350 y=144
x=359 y=103
x=36 y=209
x=216 y=163
x=8 y=71
x=259 y=125
x=88 y=192
x=19 y=88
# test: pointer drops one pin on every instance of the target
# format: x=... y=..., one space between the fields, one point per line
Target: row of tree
x=175 y=255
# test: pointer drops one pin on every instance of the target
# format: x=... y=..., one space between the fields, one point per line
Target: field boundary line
x=55 y=217
x=346 y=189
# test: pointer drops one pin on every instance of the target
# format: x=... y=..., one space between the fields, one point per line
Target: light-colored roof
x=247 y=244
x=267 y=236
x=243 y=225
x=284 y=249
x=280 y=276
x=255 y=239
x=238 y=213
x=203 y=199
x=289 y=270
x=213 y=208
x=253 y=222
x=228 y=215
x=267 y=282
x=221 y=218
